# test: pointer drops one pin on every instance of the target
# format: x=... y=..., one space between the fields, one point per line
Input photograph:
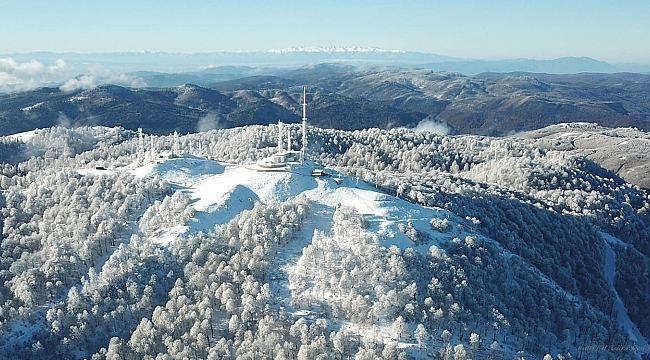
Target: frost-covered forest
x=501 y=250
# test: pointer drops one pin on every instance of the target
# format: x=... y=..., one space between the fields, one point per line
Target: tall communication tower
x=152 y=149
x=141 y=149
x=280 y=137
x=175 y=149
x=304 y=124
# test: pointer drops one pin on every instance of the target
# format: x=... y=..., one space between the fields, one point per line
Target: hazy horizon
x=611 y=32
x=301 y=48
x=461 y=30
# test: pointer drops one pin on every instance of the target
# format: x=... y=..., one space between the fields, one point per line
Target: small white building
x=278 y=161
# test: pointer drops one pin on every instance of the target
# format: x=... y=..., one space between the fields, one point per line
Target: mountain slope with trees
x=430 y=246
x=349 y=98
x=353 y=98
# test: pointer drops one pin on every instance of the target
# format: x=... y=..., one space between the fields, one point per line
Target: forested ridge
x=342 y=97
x=513 y=261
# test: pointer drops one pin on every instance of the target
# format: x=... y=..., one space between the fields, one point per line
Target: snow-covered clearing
x=622 y=316
x=28 y=108
x=220 y=192
x=24 y=136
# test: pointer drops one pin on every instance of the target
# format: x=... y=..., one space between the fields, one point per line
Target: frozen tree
x=459 y=352
x=143 y=340
x=421 y=335
x=116 y=350
x=474 y=343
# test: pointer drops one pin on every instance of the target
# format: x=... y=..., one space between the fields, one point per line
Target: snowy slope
x=333 y=263
x=221 y=191
x=622 y=317
x=24 y=136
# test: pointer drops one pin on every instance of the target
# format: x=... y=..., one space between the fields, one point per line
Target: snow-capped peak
x=333 y=49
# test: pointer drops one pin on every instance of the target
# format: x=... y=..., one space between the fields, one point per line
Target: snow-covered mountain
x=336 y=49
x=410 y=245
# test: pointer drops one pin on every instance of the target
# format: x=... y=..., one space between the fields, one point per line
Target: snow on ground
x=143 y=171
x=95 y=172
x=622 y=316
x=383 y=212
x=221 y=191
x=184 y=171
x=166 y=236
x=23 y=136
x=278 y=276
x=28 y=108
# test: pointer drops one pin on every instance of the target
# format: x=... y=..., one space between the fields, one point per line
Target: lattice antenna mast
x=304 y=124
x=140 y=142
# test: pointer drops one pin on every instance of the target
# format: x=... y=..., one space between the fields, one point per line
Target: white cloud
x=11 y=83
x=8 y=79
x=22 y=76
x=125 y=80
x=83 y=82
x=59 y=66
x=209 y=122
x=433 y=126
x=11 y=66
x=105 y=75
x=63 y=121
x=18 y=76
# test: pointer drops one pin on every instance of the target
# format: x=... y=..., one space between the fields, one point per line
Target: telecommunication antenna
x=279 y=136
x=289 y=145
x=141 y=149
x=152 y=148
x=304 y=124
x=175 y=144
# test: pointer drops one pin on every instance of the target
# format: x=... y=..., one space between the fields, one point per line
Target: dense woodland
x=83 y=276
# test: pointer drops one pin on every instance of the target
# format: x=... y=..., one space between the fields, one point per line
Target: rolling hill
x=348 y=98
x=352 y=98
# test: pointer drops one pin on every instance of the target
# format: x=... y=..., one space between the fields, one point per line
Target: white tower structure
x=289 y=145
x=279 y=136
x=140 y=141
x=304 y=124
x=152 y=149
x=175 y=145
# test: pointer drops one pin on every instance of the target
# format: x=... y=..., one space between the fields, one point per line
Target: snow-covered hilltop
x=405 y=244
x=622 y=150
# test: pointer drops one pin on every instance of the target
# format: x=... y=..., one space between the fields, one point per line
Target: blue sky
x=613 y=31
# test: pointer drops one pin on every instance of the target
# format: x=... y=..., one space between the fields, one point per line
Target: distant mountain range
x=342 y=96
x=29 y=71
x=299 y=56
